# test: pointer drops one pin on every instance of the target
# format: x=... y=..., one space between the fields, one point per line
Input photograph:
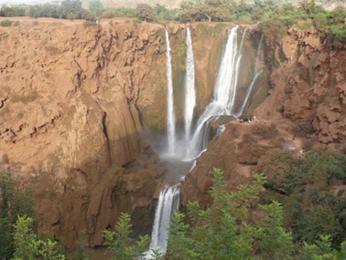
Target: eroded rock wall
x=301 y=106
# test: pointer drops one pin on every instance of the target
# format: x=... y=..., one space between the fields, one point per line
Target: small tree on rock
x=145 y=12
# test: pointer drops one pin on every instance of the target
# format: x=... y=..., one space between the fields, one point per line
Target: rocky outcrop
x=308 y=85
x=70 y=97
x=300 y=106
x=238 y=151
x=70 y=92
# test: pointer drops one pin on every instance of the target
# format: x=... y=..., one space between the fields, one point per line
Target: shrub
x=230 y=229
x=303 y=128
x=6 y=23
x=119 y=242
x=96 y=8
x=302 y=185
x=145 y=12
x=13 y=203
x=29 y=246
x=338 y=32
x=118 y=12
x=68 y=9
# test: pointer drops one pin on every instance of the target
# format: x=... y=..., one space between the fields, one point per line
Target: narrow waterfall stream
x=190 y=92
x=183 y=151
x=167 y=204
x=171 y=135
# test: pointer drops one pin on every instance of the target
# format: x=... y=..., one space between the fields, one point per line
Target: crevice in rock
x=105 y=132
x=3 y=102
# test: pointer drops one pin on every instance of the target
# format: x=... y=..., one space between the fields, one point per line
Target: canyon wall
x=299 y=108
x=70 y=119
x=79 y=103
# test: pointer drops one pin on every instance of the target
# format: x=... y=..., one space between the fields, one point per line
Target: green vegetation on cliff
x=273 y=14
x=14 y=202
x=311 y=190
x=68 y=9
x=246 y=224
x=295 y=210
x=18 y=238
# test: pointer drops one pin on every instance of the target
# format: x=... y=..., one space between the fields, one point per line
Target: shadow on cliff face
x=76 y=205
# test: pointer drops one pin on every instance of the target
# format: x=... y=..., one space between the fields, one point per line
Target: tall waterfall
x=257 y=73
x=190 y=92
x=224 y=91
x=170 y=99
x=195 y=139
x=168 y=203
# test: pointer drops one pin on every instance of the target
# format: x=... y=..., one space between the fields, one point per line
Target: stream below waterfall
x=179 y=152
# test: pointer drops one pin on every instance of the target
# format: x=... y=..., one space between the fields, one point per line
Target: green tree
x=96 y=8
x=13 y=203
x=120 y=243
x=28 y=246
x=180 y=244
x=145 y=12
x=228 y=229
x=275 y=241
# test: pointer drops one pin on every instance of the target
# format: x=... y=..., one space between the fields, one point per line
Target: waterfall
x=190 y=92
x=224 y=91
x=170 y=99
x=196 y=137
x=257 y=73
x=168 y=204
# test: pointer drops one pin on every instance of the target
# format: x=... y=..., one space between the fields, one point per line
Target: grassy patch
x=9 y=23
x=26 y=98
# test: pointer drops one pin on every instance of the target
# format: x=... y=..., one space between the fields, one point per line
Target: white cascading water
x=190 y=92
x=171 y=136
x=168 y=203
x=224 y=91
x=193 y=142
x=257 y=73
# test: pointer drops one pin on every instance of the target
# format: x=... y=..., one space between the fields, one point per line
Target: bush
x=9 y=11
x=68 y=9
x=118 y=12
x=96 y=8
x=6 y=23
x=145 y=12
x=119 y=242
x=302 y=185
x=227 y=229
x=13 y=203
x=164 y=14
x=338 y=32
x=29 y=246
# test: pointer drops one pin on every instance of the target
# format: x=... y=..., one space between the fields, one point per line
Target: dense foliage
x=29 y=246
x=18 y=239
x=237 y=226
x=309 y=189
x=68 y=9
x=271 y=13
x=295 y=211
x=13 y=203
x=120 y=243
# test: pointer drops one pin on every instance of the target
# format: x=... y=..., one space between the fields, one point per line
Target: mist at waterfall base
x=182 y=145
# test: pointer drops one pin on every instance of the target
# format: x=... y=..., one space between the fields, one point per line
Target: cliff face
x=70 y=117
x=300 y=107
x=77 y=101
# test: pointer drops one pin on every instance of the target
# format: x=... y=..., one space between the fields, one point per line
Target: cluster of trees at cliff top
x=305 y=14
x=292 y=211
